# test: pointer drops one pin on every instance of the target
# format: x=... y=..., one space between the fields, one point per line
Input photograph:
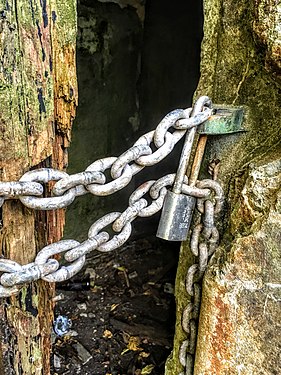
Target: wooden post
x=38 y=97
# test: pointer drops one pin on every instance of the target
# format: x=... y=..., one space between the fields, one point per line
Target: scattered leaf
x=144 y=354
x=108 y=334
x=121 y=268
x=114 y=306
x=147 y=370
x=133 y=344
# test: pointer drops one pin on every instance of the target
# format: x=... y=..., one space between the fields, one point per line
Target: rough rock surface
x=240 y=312
x=238 y=328
x=267 y=29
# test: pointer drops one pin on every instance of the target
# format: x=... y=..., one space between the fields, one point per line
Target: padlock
x=178 y=208
x=176 y=216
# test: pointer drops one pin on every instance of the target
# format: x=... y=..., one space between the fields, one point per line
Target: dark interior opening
x=136 y=61
x=134 y=65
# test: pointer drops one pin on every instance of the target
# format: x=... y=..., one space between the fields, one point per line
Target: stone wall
x=239 y=317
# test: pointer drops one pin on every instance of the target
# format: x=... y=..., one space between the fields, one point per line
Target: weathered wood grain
x=38 y=97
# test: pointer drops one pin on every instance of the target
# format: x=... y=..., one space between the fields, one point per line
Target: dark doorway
x=134 y=66
x=136 y=62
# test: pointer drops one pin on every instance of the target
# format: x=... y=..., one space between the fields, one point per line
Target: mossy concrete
x=235 y=69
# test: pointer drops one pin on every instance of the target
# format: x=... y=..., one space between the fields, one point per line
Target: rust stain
x=65 y=90
x=222 y=338
x=251 y=253
x=46 y=292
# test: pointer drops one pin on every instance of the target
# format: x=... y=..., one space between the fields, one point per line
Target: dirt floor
x=121 y=310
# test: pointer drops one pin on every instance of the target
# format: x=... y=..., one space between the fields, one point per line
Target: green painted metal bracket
x=225 y=120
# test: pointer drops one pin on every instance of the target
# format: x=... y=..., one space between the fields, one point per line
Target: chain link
x=78 y=180
x=16 y=188
x=67 y=187
x=203 y=242
x=46 y=175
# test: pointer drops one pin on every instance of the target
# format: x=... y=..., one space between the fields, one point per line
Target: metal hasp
x=178 y=208
x=224 y=120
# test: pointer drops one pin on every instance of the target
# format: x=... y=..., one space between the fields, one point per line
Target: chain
x=145 y=201
x=149 y=149
x=29 y=188
x=74 y=253
x=203 y=242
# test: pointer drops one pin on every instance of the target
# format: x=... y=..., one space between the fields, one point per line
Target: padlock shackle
x=187 y=147
x=197 y=161
x=184 y=160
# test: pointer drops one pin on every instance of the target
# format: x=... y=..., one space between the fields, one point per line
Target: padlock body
x=176 y=217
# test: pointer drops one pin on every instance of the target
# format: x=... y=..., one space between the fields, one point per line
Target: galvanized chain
x=203 y=242
x=74 y=253
x=29 y=188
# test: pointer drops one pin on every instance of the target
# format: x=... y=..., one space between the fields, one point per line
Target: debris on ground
x=122 y=311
